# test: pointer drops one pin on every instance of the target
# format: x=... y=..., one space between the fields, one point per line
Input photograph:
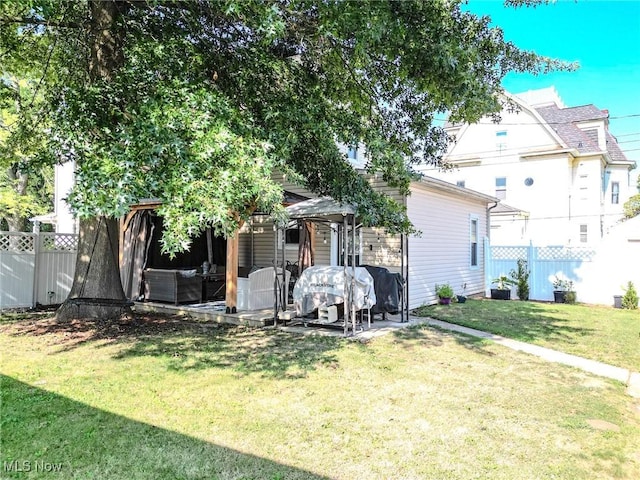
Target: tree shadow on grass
x=425 y=335
x=44 y=432
x=189 y=345
x=524 y=321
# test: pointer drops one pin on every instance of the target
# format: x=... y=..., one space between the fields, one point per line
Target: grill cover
x=388 y=288
x=325 y=286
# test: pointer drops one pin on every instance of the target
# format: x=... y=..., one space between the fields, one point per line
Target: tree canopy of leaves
x=204 y=100
x=26 y=181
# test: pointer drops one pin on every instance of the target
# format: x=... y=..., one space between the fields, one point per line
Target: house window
x=460 y=183
x=501 y=140
x=583 y=186
x=615 y=192
x=501 y=187
x=352 y=153
x=292 y=236
x=473 y=240
x=583 y=233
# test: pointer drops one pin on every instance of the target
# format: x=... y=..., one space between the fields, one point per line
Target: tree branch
x=38 y=21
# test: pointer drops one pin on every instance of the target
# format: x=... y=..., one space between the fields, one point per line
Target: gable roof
x=322 y=207
x=564 y=122
x=443 y=186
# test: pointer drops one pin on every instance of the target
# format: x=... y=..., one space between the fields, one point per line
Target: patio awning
x=325 y=208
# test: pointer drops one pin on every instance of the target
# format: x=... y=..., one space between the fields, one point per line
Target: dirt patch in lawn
x=69 y=334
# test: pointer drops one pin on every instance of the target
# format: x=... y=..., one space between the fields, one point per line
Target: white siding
x=64 y=181
x=442 y=254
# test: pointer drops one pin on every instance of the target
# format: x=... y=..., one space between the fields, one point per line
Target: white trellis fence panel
x=544 y=264
x=17 y=269
x=55 y=266
x=36 y=268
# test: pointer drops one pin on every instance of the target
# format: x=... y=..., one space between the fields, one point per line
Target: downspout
x=489 y=219
x=484 y=261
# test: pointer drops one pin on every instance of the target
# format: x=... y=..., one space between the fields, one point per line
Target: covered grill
x=324 y=286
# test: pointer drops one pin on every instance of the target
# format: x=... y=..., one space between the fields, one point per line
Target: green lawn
x=156 y=399
x=607 y=334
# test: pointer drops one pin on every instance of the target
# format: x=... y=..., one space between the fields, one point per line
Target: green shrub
x=444 y=291
x=630 y=299
x=570 y=297
x=521 y=278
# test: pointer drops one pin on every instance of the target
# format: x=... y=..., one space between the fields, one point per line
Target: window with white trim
x=501 y=187
x=292 y=236
x=501 y=140
x=583 y=186
x=473 y=241
x=615 y=192
x=583 y=233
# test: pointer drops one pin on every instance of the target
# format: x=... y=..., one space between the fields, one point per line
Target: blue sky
x=603 y=36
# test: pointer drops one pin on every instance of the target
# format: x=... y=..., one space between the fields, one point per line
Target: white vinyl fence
x=597 y=273
x=36 y=268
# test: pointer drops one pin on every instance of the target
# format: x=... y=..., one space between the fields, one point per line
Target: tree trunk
x=16 y=223
x=19 y=180
x=97 y=290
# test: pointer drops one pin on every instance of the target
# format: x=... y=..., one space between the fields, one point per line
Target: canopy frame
x=324 y=210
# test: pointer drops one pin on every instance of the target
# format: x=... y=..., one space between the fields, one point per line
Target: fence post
x=487 y=267
x=531 y=259
x=36 y=267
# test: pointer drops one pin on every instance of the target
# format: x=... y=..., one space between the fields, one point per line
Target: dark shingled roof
x=563 y=121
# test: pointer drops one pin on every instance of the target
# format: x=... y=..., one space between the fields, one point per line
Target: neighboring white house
x=61 y=218
x=617 y=262
x=559 y=172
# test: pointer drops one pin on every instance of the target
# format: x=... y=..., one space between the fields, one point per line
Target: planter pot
x=461 y=298
x=444 y=301
x=558 y=296
x=498 y=294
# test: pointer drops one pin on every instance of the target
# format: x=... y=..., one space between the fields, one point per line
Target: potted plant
x=502 y=291
x=444 y=293
x=563 y=291
x=462 y=297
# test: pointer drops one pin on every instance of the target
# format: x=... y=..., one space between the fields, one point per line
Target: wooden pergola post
x=231 y=275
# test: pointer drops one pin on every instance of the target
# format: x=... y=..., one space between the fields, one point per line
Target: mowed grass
x=158 y=399
x=606 y=334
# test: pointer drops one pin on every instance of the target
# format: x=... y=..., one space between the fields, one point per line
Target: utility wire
x=567 y=217
x=569 y=122
x=523 y=149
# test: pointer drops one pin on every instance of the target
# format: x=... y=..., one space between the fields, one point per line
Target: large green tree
x=196 y=103
x=26 y=186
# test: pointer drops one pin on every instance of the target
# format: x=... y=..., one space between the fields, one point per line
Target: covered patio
x=349 y=310
x=213 y=312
